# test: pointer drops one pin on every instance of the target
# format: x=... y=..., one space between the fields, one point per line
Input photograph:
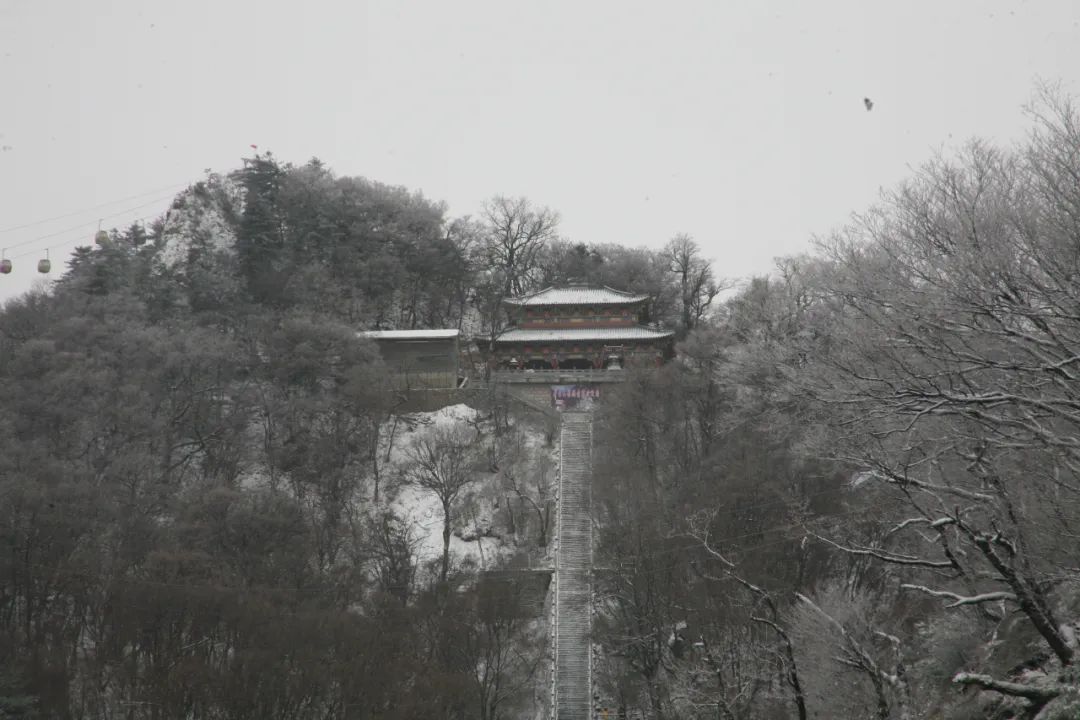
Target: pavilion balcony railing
x=557 y=377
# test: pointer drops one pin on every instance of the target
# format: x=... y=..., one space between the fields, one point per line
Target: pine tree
x=261 y=240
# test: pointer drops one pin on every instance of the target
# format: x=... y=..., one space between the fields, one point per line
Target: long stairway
x=573 y=620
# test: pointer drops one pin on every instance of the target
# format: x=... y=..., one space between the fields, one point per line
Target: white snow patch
x=862 y=477
x=254 y=478
x=423 y=511
x=474 y=511
x=200 y=219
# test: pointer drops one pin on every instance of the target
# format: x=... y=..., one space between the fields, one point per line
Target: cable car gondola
x=5 y=266
x=44 y=264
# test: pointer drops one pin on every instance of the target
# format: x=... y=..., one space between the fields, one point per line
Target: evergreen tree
x=261 y=241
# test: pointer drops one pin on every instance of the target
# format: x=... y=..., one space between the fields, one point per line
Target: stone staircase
x=573 y=573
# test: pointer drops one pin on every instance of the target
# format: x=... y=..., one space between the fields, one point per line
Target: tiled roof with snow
x=577 y=295
x=582 y=334
x=410 y=334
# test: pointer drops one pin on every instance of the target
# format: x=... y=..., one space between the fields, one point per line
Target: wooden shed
x=420 y=358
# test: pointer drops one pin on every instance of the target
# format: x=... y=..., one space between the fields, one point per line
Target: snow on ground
x=479 y=528
x=402 y=431
x=424 y=512
x=479 y=518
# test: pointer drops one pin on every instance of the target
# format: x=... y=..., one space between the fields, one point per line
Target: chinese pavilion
x=579 y=327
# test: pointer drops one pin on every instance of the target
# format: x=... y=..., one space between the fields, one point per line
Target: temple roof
x=637 y=332
x=577 y=295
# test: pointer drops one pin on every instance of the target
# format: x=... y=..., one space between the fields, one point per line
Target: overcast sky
x=741 y=123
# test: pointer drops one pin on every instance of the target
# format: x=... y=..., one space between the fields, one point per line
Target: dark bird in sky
x=868 y=103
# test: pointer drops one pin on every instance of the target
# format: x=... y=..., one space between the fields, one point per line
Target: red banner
x=563 y=396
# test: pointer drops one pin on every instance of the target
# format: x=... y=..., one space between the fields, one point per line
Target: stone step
x=573 y=617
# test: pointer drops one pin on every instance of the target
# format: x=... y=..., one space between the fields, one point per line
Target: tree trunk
x=543 y=518
x=1032 y=606
x=882 y=699
x=375 y=460
x=793 y=679
x=654 y=699
x=789 y=655
x=511 y=525
x=445 y=571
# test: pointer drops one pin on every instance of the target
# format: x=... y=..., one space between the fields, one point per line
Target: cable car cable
x=69 y=242
x=169 y=188
x=90 y=222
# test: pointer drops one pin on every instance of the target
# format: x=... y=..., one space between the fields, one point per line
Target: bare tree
x=515 y=234
x=957 y=360
x=697 y=284
x=853 y=641
x=530 y=476
x=763 y=600
x=444 y=462
x=502 y=656
x=466 y=235
x=392 y=548
x=949 y=375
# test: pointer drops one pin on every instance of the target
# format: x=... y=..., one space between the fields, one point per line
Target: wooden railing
x=557 y=377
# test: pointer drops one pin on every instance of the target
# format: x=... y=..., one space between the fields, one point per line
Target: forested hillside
x=210 y=506
x=857 y=493
x=854 y=494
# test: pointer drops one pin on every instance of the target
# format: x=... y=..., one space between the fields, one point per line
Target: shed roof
x=582 y=334
x=577 y=295
x=411 y=334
